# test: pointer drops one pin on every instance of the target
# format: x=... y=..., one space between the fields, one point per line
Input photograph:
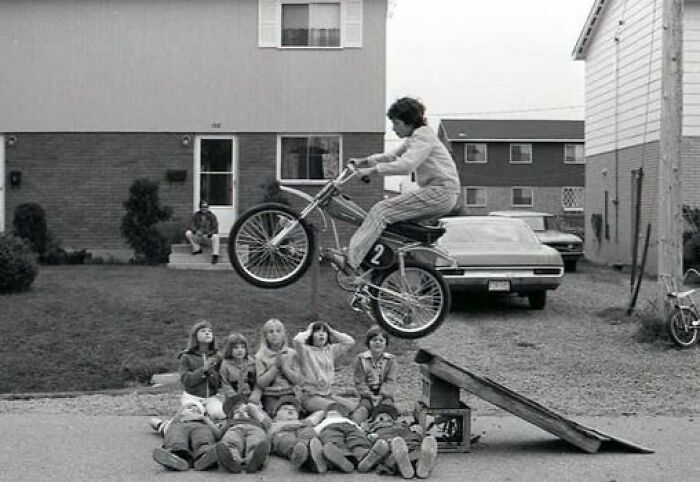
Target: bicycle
x=272 y=245
x=684 y=323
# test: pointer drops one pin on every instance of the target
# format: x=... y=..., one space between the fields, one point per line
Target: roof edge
x=589 y=29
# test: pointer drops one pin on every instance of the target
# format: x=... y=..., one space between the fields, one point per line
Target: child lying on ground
x=244 y=440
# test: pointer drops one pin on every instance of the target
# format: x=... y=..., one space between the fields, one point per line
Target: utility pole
x=669 y=249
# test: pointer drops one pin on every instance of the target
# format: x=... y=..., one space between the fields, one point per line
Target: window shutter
x=269 y=28
x=353 y=23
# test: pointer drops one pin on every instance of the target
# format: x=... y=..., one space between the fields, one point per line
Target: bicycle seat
x=418 y=232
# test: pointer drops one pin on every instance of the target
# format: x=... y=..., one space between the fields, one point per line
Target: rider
x=436 y=175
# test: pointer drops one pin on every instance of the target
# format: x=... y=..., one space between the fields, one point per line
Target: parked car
x=499 y=255
x=546 y=227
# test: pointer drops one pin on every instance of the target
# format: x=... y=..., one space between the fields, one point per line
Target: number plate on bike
x=499 y=285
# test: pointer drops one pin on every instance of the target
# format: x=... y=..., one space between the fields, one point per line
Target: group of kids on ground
x=237 y=409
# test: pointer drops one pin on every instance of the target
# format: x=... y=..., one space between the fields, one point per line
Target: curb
x=115 y=392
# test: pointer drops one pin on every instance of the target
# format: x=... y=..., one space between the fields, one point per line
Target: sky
x=502 y=59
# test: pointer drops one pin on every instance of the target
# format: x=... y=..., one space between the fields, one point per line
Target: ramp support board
x=587 y=439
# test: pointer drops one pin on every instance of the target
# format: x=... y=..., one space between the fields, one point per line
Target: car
x=498 y=255
x=546 y=227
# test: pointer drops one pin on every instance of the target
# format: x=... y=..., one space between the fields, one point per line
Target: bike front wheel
x=263 y=263
x=411 y=305
x=682 y=327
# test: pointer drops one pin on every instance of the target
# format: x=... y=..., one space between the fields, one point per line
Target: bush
x=272 y=192
x=30 y=223
x=18 y=266
x=139 y=370
x=139 y=224
x=652 y=325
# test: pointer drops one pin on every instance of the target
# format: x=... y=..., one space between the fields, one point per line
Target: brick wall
x=547 y=199
x=81 y=179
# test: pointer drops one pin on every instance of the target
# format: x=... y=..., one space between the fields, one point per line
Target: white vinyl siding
x=623 y=77
x=691 y=69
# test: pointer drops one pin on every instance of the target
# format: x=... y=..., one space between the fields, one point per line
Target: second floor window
x=475 y=153
x=311 y=24
x=573 y=154
x=521 y=153
x=521 y=197
x=309 y=158
x=475 y=196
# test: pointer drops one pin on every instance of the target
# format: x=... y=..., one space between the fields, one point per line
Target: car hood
x=557 y=237
x=503 y=254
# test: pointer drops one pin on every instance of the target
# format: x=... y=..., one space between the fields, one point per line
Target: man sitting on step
x=205 y=230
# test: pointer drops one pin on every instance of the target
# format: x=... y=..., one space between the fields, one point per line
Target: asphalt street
x=111 y=448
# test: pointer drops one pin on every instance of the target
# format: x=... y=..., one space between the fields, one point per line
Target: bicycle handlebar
x=353 y=169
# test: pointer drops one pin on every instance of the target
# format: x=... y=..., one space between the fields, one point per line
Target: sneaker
x=155 y=424
x=427 y=457
x=337 y=458
x=316 y=458
x=206 y=460
x=215 y=259
x=299 y=454
x=258 y=458
x=169 y=460
x=196 y=252
x=227 y=459
x=400 y=452
x=374 y=456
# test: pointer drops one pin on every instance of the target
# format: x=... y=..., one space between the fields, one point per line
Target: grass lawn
x=103 y=326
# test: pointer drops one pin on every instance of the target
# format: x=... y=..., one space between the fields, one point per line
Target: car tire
x=570 y=266
x=537 y=299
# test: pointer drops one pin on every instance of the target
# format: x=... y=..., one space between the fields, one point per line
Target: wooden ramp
x=585 y=438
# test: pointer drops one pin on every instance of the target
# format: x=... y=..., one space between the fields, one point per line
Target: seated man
x=205 y=230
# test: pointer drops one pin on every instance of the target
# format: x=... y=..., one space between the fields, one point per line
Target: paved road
x=83 y=448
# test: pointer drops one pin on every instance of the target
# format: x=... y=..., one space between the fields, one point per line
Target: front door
x=215 y=160
x=2 y=183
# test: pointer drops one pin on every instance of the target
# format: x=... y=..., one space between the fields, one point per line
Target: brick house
x=511 y=164
x=209 y=98
x=620 y=44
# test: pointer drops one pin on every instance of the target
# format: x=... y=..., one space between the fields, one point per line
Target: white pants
x=196 y=241
x=213 y=404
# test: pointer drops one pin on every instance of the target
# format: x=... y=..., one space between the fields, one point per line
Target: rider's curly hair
x=409 y=110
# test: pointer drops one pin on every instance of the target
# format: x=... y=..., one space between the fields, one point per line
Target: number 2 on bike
x=272 y=246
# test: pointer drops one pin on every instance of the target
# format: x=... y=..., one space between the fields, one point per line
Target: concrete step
x=181 y=258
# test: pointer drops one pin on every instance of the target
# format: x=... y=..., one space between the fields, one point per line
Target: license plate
x=499 y=285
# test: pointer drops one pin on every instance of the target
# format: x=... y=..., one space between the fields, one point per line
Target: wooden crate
x=436 y=392
x=451 y=427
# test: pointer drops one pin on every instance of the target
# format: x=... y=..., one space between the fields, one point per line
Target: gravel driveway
x=572 y=357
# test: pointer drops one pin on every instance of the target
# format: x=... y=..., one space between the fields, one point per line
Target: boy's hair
x=318 y=326
x=231 y=341
x=390 y=410
x=192 y=341
x=286 y=400
x=409 y=110
x=232 y=403
x=373 y=331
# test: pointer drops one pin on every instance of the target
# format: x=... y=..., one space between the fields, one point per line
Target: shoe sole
x=299 y=455
x=207 y=460
x=427 y=457
x=316 y=455
x=375 y=455
x=170 y=460
x=226 y=460
x=336 y=457
x=400 y=452
x=258 y=458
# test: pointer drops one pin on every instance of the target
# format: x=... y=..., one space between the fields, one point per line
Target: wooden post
x=637 y=216
x=669 y=250
x=315 y=275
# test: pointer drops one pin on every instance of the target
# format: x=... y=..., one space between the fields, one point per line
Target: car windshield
x=541 y=223
x=461 y=233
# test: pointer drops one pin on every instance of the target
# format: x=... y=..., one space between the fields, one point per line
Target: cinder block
x=451 y=427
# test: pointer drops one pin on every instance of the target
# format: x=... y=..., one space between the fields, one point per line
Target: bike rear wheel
x=681 y=327
x=411 y=306
x=252 y=254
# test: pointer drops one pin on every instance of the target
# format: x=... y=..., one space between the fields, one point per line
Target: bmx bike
x=684 y=322
x=272 y=245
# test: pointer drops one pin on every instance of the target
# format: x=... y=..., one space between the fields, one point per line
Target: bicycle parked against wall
x=684 y=322
x=272 y=246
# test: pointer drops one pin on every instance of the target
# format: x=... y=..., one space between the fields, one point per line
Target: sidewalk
x=82 y=448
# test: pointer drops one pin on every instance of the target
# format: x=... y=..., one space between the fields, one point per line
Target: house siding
x=180 y=66
x=691 y=69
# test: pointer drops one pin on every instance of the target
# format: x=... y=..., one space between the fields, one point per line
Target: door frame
x=3 y=178
x=196 y=184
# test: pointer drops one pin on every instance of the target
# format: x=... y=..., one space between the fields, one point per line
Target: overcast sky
x=466 y=58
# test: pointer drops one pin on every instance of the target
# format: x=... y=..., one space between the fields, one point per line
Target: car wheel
x=537 y=299
x=570 y=266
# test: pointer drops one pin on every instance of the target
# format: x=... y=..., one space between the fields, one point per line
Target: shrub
x=139 y=224
x=30 y=223
x=272 y=192
x=18 y=266
x=652 y=325
x=139 y=370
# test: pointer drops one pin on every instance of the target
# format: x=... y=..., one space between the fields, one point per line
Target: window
x=309 y=158
x=521 y=197
x=521 y=153
x=573 y=154
x=475 y=196
x=311 y=25
x=572 y=198
x=475 y=153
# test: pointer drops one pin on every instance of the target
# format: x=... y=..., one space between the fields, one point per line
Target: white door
x=215 y=161
x=2 y=183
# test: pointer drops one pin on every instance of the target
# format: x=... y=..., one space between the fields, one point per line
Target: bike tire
x=262 y=265
x=680 y=328
x=427 y=305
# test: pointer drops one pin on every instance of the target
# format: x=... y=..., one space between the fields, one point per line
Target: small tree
x=139 y=224
x=18 y=266
x=29 y=223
